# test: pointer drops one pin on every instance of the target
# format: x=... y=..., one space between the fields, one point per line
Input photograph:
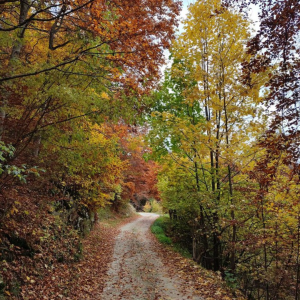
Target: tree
x=207 y=67
x=117 y=44
x=70 y=71
x=276 y=44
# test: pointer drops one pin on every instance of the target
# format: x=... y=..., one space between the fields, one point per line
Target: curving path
x=137 y=272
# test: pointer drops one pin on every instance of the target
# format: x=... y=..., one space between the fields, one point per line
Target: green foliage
x=173 y=116
x=162 y=222
x=20 y=173
x=156 y=229
x=231 y=280
x=163 y=228
x=5 y=150
x=159 y=229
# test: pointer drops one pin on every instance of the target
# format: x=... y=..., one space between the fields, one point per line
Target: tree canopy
x=87 y=122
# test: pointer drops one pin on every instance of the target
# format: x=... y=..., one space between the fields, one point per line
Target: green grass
x=160 y=229
x=157 y=230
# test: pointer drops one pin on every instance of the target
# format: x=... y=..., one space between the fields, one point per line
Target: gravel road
x=137 y=272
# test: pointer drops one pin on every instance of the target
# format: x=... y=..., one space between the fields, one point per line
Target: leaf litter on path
x=137 y=271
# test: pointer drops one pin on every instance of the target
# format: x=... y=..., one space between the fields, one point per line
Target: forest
x=87 y=121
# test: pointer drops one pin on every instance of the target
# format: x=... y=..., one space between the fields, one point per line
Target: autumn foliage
x=225 y=128
x=82 y=119
x=72 y=79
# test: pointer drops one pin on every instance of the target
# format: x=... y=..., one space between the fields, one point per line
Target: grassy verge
x=207 y=284
x=160 y=229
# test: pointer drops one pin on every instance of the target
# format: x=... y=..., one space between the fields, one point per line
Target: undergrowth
x=110 y=218
x=161 y=228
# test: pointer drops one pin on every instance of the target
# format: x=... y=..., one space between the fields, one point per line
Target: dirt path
x=137 y=272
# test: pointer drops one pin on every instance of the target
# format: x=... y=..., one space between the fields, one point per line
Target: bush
x=164 y=239
x=162 y=227
x=156 y=229
x=159 y=229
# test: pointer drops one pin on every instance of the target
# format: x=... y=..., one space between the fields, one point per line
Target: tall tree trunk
x=232 y=212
